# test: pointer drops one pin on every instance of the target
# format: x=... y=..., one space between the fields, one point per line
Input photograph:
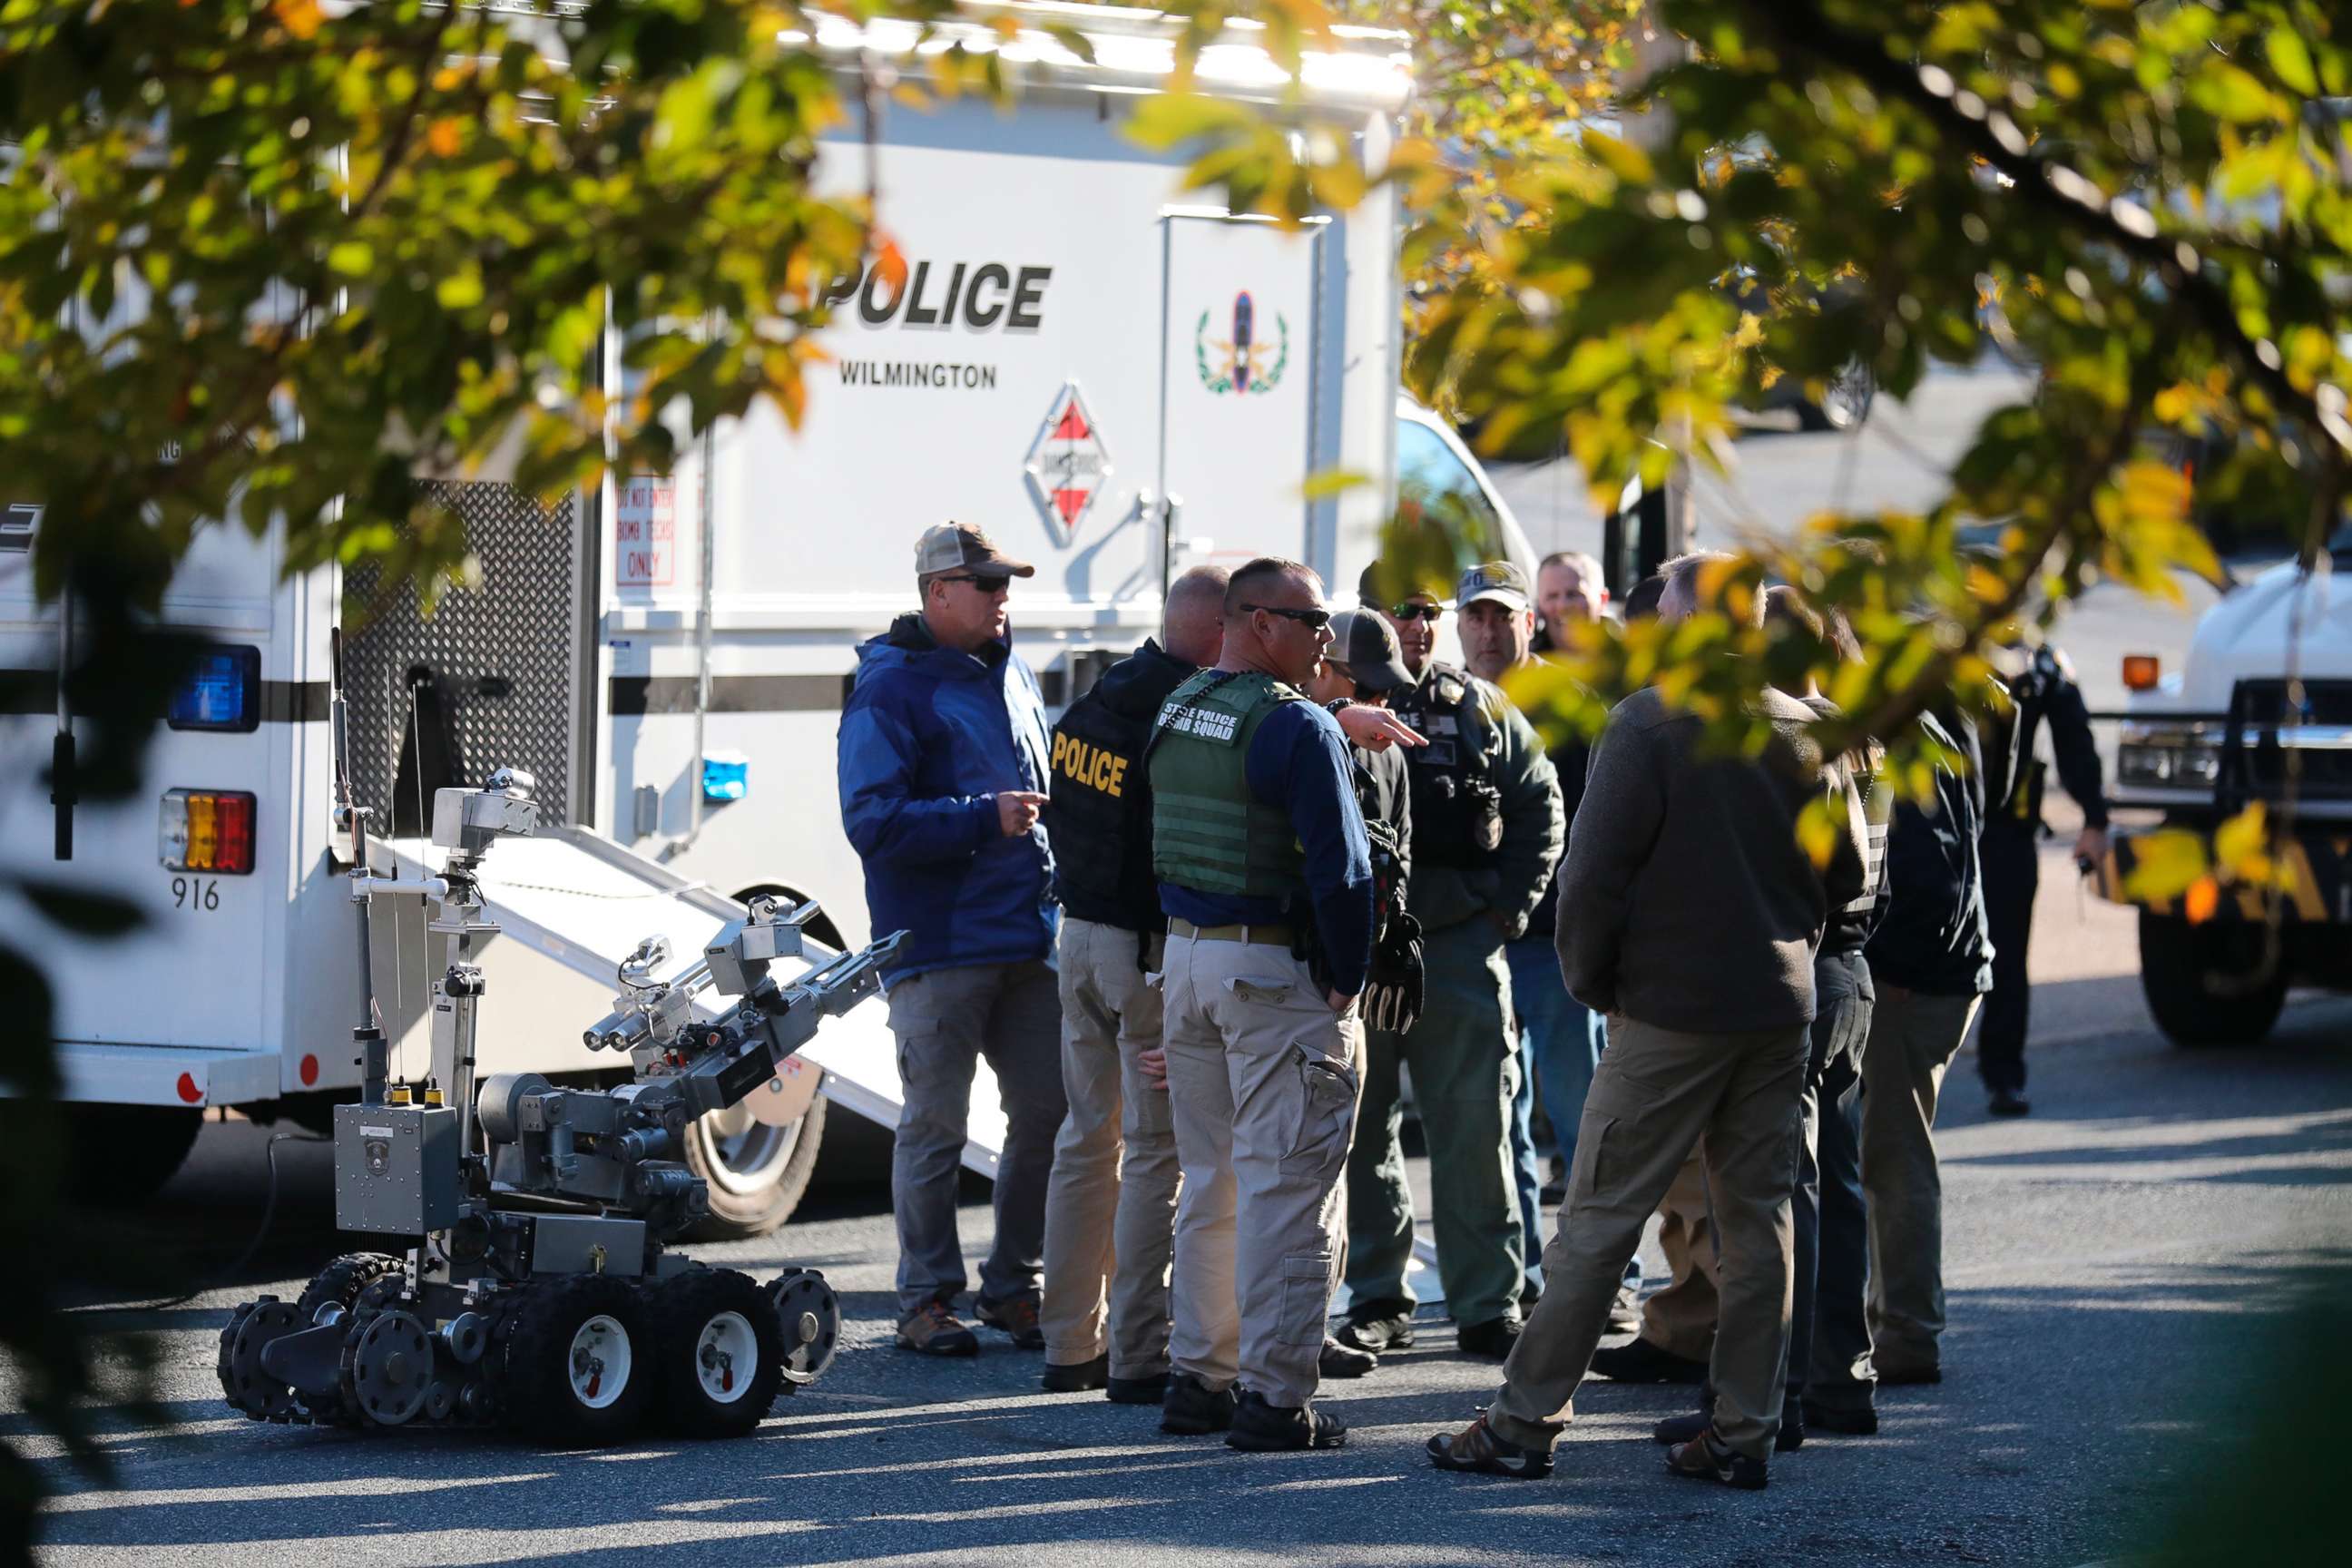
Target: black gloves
x=1393 y=991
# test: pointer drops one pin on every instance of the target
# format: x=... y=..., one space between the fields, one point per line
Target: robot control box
x=395 y=1168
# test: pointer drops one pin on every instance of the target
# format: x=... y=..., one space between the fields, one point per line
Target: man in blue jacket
x=942 y=772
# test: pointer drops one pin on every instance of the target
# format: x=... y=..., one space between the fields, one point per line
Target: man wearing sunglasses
x=942 y=768
x=1487 y=830
x=1266 y=875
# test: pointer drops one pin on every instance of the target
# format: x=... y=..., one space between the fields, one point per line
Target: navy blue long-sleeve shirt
x=1299 y=761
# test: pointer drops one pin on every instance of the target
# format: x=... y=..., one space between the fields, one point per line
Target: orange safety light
x=2140 y=671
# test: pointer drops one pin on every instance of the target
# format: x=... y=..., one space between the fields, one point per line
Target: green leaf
x=2292 y=61
x=351 y=257
x=1327 y=482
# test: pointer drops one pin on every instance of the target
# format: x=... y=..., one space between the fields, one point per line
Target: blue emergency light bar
x=221 y=691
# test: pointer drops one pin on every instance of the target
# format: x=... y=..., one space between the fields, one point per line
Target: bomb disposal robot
x=535 y=1289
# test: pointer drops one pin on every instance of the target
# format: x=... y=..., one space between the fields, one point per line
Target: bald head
x=1193 y=627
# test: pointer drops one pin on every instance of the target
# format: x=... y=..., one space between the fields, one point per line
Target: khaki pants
x=1656 y=1093
x=1913 y=1039
x=1681 y=1317
x=1262 y=1078
x=1111 y=1211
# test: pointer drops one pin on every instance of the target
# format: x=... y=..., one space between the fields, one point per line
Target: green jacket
x=1511 y=882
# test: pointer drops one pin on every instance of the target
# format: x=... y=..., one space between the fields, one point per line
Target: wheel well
x=822 y=927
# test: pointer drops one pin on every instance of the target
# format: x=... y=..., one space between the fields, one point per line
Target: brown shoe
x=1016 y=1315
x=935 y=1331
x=1479 y=1449
x=1706 y=1458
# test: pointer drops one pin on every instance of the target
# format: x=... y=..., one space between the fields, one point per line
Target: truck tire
x=124 y=1154
x=2198 y=981
x=756 y=1173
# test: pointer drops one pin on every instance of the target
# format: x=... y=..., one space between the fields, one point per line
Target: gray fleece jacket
x=1685 y=902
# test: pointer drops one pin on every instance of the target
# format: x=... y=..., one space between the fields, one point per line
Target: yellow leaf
x=2163 y=864
x=1818 y=826
x=2241 y=841
x=442 y=138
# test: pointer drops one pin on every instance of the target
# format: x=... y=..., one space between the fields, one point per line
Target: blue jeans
x=1560 y=1042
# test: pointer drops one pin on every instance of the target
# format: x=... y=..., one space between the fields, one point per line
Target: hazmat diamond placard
x=1068 y=464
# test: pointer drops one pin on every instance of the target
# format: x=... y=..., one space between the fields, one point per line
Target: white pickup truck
x=2260 y=711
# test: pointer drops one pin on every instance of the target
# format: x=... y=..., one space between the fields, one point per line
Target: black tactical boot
x=1378 y=1327
x=1190 y=1410
x=1263 y=1428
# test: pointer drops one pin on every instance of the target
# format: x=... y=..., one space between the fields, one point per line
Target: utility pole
x=1665 y=526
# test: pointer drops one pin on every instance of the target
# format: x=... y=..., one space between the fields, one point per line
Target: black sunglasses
x=1415 y=612
x=1319 y=619
x=986 y=585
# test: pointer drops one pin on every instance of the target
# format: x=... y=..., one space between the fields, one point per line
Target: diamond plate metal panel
x=502 y=654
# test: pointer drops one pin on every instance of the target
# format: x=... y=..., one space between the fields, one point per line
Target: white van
x=1111 y=379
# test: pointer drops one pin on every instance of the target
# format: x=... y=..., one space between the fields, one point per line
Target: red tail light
x=206 y=830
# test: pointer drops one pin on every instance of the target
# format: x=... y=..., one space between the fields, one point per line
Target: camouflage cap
x=960 y=547
x=1497 y=580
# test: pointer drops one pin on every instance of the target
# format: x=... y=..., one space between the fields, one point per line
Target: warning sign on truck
x=645 y=533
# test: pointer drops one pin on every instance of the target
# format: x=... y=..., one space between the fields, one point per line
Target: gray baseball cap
x=1363 y=642
x=960 y=547
x=1497 y=580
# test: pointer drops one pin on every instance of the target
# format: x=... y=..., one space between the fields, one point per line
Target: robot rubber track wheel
x=247 y=1387
x=340 y=1285
x=809 y=1314
x=719 y=1352
x=575 y=1370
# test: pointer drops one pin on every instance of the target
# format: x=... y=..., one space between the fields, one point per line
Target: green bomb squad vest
x=1208 y=832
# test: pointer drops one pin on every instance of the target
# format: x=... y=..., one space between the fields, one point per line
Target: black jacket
x=1935 y=937
x=2042 y=690
x=1101 y=814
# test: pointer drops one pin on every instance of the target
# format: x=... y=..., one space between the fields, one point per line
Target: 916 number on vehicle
x=196 y=894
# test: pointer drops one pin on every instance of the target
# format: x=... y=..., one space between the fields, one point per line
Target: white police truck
x=1112 y=379
x=2260 y=711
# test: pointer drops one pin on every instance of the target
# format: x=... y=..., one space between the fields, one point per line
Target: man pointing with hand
x=942 y=767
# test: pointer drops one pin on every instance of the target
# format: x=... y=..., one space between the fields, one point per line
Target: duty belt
x=1263 y=936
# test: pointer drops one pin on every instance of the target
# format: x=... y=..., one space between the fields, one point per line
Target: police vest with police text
x=1101 y=812
x=1457 y=808
x=1208 y=832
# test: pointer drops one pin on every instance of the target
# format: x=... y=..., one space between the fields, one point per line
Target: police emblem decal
x=1243 y=371
x=1068 y=466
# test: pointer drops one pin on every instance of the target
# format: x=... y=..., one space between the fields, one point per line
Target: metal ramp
x=571 y=904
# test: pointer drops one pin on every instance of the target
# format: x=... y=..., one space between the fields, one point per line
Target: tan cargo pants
x=1262 y=1077
x=1913 y=1039
x=1111 y=1210
x=1656 y=1093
